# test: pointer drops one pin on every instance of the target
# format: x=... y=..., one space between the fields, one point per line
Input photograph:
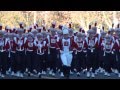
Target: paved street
x=57 y=76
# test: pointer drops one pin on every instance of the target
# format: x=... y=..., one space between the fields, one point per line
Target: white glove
x=61 y=51
x=71 y=52
x=48 y=52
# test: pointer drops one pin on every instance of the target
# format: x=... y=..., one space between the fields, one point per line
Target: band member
x=118 y=52
x=46 y=52
x=12 y=53
x=100 y=59
x=81 y=51
x=40 y=61
x=109 y=48
x=66 y=49
x=71 y=35
x=4 y=46
x=30 y=53
x=92 y=43
x=59 y=63
x=53 y=46
x=20 y=53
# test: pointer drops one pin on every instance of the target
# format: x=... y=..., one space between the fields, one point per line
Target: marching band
x=37 y=50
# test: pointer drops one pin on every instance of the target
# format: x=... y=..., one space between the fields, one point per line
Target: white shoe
x=116 y=71
x=61 y=74
x=50 y=72
x=108 y=74
x=71 y=72
x=34 y=71
x=101 y=70
x=92 y=75
x=18 y=74
x=75 y=70
x=96 y=72
x=88 y=74
x=113 y=70
x=7 y=73
x=53 y=74
x=58 y=70
x=2 y=76
x=44 y=72
x=78 y=74
x=12 y=73
x=119 y=75
x=26 y=70
x=21 y=75
x=39 y=73
x=105 y=73
x=48 y=69
x=84 y=70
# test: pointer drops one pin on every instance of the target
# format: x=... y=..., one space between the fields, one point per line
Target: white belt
x=13 y=51
x=91 y=48
x=79 y=50
x=52 y=47
x=29 y=50
x=20 y=49
x=40 y=53
x=107 y=51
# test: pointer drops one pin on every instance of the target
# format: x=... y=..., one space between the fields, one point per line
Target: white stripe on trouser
x=66 y=58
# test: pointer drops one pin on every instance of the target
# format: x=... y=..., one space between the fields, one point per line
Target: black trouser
x=46 y=59
x=30 y=61
x=114 y=61
x=66 y=71
x=73 y=63
x=91 y=60
x=20 y=61
x=107 y=62
x=100 y=59
x=13 y=61
x=80 y=61
x=3 y=62
x=40 y=63
x=97 y=58
x=53 y=59
x=59 y=62
x=118 y=62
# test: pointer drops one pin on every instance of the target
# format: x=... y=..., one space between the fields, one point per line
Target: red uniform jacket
x=81 y=45
x=111 y=45
x=41 y=47
x=5 y=45
x=12 y=46
x=30 y=46
x=53 y=42
x=20 y=42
